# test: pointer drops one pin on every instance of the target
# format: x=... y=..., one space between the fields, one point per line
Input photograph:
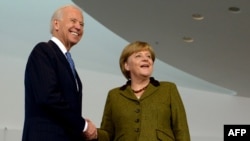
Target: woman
x=143 y=109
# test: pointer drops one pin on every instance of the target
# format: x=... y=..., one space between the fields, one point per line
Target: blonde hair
x=129 y=50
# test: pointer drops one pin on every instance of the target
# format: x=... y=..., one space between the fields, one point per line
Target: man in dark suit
x=53 y=89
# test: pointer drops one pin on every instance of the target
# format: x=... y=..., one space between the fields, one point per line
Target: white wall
x=207 y=112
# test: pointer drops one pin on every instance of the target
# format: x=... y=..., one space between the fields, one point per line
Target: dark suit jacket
x=52 y=101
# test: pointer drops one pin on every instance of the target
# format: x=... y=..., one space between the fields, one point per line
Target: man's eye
x=73 y=20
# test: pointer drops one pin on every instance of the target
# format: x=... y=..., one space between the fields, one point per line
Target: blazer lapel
x=149 y=91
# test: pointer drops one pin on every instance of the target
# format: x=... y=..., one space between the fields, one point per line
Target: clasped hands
x=91 y=132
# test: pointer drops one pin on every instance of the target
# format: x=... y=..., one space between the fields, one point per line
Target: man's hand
x=91 y=132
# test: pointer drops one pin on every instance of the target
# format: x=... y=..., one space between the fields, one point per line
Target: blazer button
x=137 y=120
x=137 y=130
x=137 y=110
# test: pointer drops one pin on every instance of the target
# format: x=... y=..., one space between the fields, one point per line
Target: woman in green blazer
x=143 y=109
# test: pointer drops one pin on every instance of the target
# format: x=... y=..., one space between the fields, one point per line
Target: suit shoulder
x=41 y=46
x=42 y=43
x=44 y=48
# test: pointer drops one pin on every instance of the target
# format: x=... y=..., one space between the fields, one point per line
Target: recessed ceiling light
x=234 y=9
x=197 y=17
x=188 y=39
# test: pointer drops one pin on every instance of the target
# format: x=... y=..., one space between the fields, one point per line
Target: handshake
x=91 y=131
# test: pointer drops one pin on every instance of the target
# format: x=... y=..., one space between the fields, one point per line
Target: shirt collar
x=59 y=44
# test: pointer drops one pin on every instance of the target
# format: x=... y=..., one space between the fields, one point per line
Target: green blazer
x=158 y=115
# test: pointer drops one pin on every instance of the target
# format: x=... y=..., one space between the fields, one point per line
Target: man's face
x=70 y=27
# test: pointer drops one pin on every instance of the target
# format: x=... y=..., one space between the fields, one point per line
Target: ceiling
x=219 y=52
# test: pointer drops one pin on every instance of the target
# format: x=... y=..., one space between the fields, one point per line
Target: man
x=53 y=89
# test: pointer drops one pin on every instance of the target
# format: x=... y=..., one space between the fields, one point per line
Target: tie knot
x=68 y=54
x=70 y=60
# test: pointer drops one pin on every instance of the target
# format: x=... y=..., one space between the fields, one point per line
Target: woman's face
x=140 y=64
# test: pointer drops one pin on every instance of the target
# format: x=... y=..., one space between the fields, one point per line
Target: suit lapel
x=63 y=60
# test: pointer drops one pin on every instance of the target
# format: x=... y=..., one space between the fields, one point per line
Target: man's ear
x=56 y=25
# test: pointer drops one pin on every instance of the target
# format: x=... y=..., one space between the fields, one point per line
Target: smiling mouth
x=144 y=66
x=74 y=33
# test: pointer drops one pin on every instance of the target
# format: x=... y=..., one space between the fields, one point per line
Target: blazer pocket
x=164 y=136
x=120 y=138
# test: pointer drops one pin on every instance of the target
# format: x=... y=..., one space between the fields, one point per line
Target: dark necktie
x=71 y=62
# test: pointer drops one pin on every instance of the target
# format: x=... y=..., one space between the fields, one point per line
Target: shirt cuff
x=86 y=126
